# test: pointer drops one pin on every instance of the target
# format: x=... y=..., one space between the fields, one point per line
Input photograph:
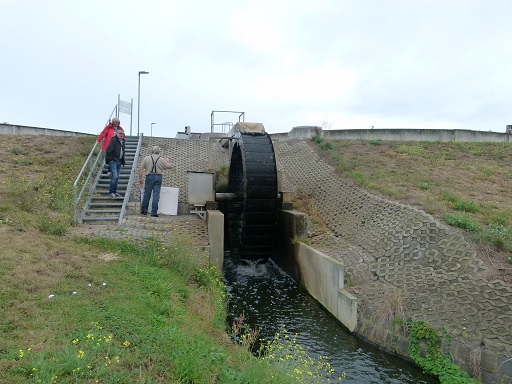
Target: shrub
x=317 y=139
x=326 y=146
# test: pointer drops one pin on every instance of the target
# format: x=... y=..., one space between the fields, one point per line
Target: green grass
x=460 y=204
x=464 y=184
x=462 y=221
x=90 y=310
x=147 y=315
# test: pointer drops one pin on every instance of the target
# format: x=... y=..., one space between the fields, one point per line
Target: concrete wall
x=307 y=132
x=215 y=223
x=393 y=134
x=10 y=129
x=322 y=276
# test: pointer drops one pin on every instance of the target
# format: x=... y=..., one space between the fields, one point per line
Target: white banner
x=125 y=107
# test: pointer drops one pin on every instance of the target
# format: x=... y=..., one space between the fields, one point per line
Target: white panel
x=168 y=204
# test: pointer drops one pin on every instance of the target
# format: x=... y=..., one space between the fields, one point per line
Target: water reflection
x=270 y=300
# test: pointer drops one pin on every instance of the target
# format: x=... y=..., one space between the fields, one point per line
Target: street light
x=138 y=101
x=152 y=129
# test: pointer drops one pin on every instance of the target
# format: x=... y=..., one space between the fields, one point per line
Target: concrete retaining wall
x=215 y=223
x=393 y=134
x=10 y=129
x=307 y=132
x=322 y=276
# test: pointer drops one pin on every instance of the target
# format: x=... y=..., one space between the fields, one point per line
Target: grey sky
x=346 y=64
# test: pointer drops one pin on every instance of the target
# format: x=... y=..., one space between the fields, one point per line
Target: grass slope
x=109 y=311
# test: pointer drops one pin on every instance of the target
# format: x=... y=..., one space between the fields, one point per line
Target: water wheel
x=252 y=215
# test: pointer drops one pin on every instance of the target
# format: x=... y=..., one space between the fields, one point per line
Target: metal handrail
x=130 y=180
x=241 y=117
x=90 y=165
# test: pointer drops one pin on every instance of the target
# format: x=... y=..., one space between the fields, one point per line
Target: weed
x=460 y=204
x=391 y=308
x=360 y=178
x=24 y=162
x=338 y=158
x=433 y=361
x=499 y=236
x=244 y=335
x=221 y=179
x=283 y=351
x=53 y=227
x=317 y=139
x=374 y=142
x=414 y=150
x=326 y=145
x=16 y=150
x=475 y=357
x=486 y=171
x=466 y=206
x=462 y=221
x=500 y=217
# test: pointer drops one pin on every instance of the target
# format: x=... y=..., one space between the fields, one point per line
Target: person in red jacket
x=109 y=132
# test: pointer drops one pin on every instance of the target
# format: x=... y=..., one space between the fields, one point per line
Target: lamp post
x=152 y=129
x=138 y=101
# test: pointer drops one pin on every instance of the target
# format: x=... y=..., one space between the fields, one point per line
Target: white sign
x=125 y=107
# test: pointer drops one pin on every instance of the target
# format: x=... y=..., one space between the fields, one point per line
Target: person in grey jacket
x=153 y=166
x=114 y=157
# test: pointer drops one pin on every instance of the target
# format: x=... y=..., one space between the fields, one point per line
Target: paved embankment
x=393 y=252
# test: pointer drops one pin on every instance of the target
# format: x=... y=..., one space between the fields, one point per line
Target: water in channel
x=271 y=300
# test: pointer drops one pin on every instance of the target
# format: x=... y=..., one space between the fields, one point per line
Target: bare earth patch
x=107 y=257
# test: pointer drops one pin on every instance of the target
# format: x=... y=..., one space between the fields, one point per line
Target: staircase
x=100 y=208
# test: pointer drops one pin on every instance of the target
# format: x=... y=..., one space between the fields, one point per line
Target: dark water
x=271 y=300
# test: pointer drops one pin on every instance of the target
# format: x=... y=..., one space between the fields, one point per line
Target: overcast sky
x=343 y=64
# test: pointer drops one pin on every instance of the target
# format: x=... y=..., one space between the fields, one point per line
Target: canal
x=271 y=300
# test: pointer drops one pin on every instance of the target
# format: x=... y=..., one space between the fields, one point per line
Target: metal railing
x=85 y=178
x=241 y=117
x=130 y=180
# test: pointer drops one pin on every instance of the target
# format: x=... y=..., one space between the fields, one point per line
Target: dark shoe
x=154 y=215
x=143 y=212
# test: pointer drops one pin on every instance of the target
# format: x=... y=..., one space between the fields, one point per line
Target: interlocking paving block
x=442 y=279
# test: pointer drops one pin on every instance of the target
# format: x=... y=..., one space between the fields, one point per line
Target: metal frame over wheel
x=252 y=214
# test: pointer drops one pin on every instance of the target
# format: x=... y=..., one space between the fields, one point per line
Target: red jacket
x=106 y=135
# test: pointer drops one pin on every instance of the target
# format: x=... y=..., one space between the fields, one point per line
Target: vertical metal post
x=138 y=107
x=138 y=102
x=131 y=116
